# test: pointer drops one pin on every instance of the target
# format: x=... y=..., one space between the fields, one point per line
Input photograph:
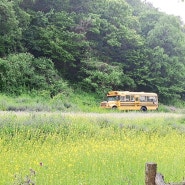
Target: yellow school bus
x=126 y=100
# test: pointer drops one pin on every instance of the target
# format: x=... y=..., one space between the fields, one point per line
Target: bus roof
x=113 y=93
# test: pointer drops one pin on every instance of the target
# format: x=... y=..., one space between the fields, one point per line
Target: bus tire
x=114 y=107
x=143 y=109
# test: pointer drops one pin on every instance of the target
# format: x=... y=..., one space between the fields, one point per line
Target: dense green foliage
x=93 y=45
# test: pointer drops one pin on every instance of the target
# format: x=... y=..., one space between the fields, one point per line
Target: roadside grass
x=90 y=148
x=76 y=102
x=41 y=101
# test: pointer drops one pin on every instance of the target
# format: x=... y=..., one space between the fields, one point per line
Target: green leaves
x=22 y=73
x=167 y=34
x=100 y=77
x=53 y=37
x=166 y=75
x=13 y=21
x=95 y=44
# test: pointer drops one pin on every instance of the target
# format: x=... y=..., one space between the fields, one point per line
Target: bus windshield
x=112 y=98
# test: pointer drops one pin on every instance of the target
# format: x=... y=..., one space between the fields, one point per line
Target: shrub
x=22 y=73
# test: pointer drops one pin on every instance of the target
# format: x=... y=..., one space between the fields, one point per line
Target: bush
x=22 y=73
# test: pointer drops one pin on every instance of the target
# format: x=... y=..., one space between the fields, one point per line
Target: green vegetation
x=58 y=59
x=40 y=101
x=92 y=45
x=55 y=148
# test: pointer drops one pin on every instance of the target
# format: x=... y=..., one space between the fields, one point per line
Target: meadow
x=90 y=148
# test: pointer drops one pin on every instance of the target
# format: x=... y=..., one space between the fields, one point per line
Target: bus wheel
x=144 y=109
x=114 y=108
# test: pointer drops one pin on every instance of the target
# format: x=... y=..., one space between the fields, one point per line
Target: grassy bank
x=41 y=101
x=73 y=102
x=90 y=149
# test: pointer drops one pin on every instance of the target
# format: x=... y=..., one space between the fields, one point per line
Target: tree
x=166 y=75
x=111 y=29
x=100 y=77
x=169 y=35
x=148 y=20
x=51 y=35
x=23 y=72
x=13 y=21
x=44 y=5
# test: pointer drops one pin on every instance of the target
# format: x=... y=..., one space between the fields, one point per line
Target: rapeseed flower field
x=90 y=149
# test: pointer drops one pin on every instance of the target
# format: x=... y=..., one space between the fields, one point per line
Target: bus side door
x=137 y=102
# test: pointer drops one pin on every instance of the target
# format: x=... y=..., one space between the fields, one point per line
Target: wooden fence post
x=154 y=178
x=150 y=173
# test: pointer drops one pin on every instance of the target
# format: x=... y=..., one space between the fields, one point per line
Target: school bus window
x=149 y=99
x=142 y=98
x=127 y=98
x=152 y=99
x=122 y=98
x=132 y=98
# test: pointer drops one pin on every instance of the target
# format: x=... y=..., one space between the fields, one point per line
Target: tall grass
x=41 y=101
x=78 y=101
x=89 y=149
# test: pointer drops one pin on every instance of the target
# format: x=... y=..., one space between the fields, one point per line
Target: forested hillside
x=92 y=45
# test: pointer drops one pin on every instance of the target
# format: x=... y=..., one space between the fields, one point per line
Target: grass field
x=90 y=148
